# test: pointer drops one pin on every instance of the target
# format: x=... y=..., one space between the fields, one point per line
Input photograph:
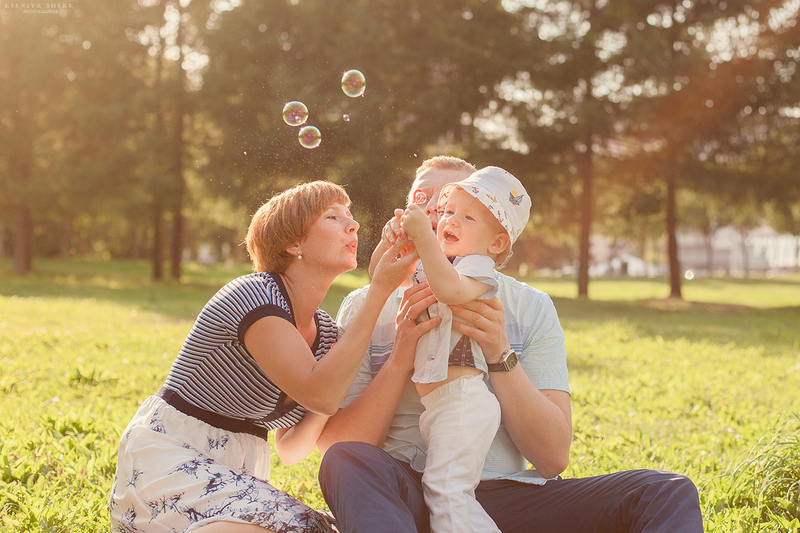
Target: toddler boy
x=479 y=220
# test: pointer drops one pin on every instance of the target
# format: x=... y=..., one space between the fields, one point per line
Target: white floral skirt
x=176 y=473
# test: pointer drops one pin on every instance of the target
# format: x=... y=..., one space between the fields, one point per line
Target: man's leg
x=369 y=491
x=636 y=501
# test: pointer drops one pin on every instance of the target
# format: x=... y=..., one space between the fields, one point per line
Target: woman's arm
x=368 y=418
x=538 y=421
x=321 y=386
x=296 y=443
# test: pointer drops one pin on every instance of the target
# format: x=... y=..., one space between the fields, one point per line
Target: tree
x=264 y=55
x=30 y=66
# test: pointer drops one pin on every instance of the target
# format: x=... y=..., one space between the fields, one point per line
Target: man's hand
x=390 y=234
x=487 y=326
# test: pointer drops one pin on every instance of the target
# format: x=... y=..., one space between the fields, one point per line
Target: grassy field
x=707 y=386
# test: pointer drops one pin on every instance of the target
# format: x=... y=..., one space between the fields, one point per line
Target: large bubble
x=353 y=83
x=295 y=113
x=309 y=137
x=419 y=197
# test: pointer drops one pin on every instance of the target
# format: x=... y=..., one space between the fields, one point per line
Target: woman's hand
x=395 y=266
x=390 y=234
x=416 y=299
x=487 y=326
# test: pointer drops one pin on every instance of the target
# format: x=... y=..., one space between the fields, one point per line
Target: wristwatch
x=508 y=361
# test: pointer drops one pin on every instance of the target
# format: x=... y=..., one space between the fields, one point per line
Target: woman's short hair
x=285 y=219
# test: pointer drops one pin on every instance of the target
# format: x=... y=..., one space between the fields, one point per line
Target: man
x=374 y=453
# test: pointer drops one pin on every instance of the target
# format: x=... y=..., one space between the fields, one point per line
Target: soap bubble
x=346 y=117
x=353 y=83
x=419 y=197
x=295 y=113
x=309 y=136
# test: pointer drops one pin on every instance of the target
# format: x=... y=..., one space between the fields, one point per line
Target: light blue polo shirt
x=534 y=332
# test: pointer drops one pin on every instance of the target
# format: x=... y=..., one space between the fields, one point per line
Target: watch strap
x=509 y=361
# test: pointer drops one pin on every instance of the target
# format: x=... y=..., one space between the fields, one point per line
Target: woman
x=195 y=456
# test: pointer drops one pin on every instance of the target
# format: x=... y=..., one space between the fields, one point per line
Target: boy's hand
x=414 y=221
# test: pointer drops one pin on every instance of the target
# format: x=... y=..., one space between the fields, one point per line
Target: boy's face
x=431 y=183
x=467 y=227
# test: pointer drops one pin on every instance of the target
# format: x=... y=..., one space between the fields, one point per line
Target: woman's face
x=430 y=183
x=332 y=241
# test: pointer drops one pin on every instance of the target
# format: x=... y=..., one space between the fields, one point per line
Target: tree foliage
x=122 y=120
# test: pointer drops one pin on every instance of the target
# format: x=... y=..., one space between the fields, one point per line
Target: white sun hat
x=501 y=193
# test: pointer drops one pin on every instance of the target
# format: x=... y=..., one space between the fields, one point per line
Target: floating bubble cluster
x=354 y=83
x=309 y=136
x=295 y=113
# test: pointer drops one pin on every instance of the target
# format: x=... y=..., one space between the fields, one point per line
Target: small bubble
x=353 y=83
x=295 y=113
x=309 y=136
x=419 y=197
x=245 y=152
x=346 y=117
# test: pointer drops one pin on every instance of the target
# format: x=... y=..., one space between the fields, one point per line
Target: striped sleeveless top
x=214 y=370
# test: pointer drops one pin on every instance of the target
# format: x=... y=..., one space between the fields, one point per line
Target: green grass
x=707 y=387
x=753 y=292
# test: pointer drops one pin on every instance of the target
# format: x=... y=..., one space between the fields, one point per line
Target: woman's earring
x=299 y=256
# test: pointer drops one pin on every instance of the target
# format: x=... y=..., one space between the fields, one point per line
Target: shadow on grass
x=130 y=283
x=774 y=329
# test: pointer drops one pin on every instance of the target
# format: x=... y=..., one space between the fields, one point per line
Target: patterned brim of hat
x=501 y=193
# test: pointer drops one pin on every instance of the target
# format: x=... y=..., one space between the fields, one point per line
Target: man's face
x=430 y=183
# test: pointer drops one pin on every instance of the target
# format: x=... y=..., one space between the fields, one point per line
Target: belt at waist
x=213 y=419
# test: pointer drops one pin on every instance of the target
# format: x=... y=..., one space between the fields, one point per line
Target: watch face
x=511 y=361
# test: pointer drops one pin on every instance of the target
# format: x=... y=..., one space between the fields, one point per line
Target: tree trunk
x=158 y=241
x=178 y=222
x=157 y=258
x=708 y=235
x=745 y=257
x=587 y=204
x=66 y=237
x=20 y=167
x=177 y=244
x=672 y=241
x=23 y=238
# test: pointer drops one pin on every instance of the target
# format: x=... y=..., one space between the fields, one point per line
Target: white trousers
x=458 y=425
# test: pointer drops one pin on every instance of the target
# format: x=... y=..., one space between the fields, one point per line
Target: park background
x=137 y=138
